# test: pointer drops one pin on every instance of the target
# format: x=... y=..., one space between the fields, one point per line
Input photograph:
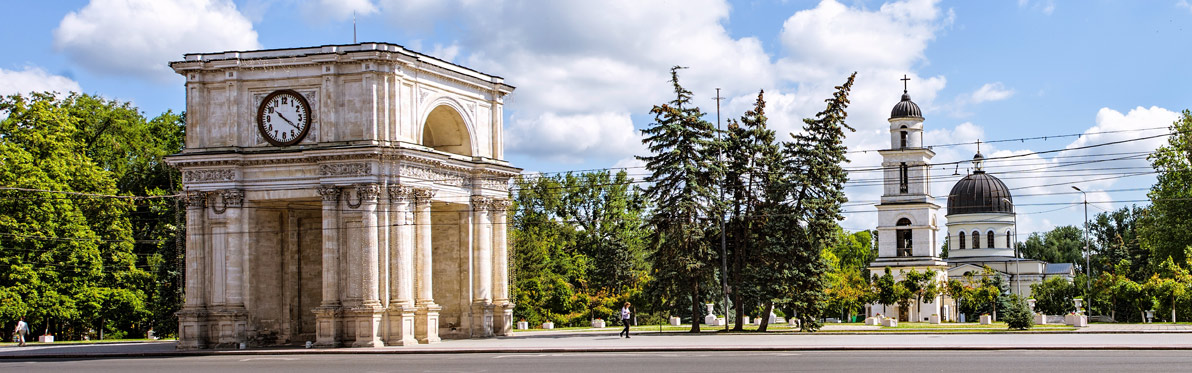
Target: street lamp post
x=1088 y=280
x=1017 y=259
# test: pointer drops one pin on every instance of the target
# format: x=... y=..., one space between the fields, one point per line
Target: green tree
x=1060 y=245
x=682 y=171
x=1018 y=314
x=748 y=171
x=1114 y=235
x=1169 y=285
x=1166 y=228
x=923 y=285
x=1054 y=296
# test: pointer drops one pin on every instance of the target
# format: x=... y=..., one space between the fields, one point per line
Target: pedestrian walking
x=625 y=313
x=20 y=331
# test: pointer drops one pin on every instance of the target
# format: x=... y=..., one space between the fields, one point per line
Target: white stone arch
x=467 y=117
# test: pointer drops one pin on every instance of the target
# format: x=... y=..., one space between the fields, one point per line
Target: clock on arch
x=283 y=118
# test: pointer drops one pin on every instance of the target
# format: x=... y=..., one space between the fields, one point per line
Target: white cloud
x=991 y=92
x=572 y=138
x=1184 y=4
x=139 y=37
x=34 y=79
x=322 y=11
x=1043 y=6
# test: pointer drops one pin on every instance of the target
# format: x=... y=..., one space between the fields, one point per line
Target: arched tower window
x=902 y=134
x=904 y=239
x=445 y=131
x=961 y=240
x=976 y=240
x=989 y=237
x=1008 y=244
x=903 y=175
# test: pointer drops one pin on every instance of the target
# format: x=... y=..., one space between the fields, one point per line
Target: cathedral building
x=980 y=229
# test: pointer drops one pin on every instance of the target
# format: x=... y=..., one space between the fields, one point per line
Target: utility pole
x=1088 y=280
x=723 y=243
x=1017 y=259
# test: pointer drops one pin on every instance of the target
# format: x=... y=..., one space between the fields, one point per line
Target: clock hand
x=283 y=117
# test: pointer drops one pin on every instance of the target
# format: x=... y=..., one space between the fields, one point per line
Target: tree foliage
x=1166 y=227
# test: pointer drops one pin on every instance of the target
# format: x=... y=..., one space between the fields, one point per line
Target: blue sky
x=587 y=72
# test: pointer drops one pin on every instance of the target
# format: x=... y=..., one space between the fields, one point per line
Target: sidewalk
x=561 y=342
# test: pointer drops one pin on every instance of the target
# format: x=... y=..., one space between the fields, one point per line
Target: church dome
x=979 y=193
x=906 y=108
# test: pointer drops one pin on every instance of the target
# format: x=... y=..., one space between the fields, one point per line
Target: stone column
x=328 y=322
x=192 y=318
x=401 y=269
x=369 y=313
x=503 y=308
x=230 y=317
x=482 y=280
x=426 y=314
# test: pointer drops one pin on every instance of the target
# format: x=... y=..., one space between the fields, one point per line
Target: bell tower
x=907 y=214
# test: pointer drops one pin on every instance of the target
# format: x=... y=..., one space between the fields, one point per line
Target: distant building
x=981 y=220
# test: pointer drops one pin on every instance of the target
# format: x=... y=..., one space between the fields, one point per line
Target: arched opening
x=961 y=240
x=902 y=134
x=1008 y=244
x=904 y=240
x=445 y=131
x=976 y=240
x=989 y=236
x=903 y=175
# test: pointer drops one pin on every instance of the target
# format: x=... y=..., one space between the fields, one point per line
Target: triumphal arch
x=349 y=195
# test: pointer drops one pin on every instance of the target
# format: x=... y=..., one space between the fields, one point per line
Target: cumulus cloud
x=572 y=138
x=991 y=92
x=322 y=11
x=1043 y=6
x=34 y=79
x=139 y=37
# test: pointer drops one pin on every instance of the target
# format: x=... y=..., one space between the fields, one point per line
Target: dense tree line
x=77 y=262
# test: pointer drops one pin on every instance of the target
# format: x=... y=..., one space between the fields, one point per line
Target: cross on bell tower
x=904 y=80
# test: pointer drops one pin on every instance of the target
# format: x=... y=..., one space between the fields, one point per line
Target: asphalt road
x=795 y=361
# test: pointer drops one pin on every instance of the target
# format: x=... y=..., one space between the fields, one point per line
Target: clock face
x=283 y=118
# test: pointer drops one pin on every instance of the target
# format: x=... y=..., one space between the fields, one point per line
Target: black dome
x=906 y=108
x=980 y=193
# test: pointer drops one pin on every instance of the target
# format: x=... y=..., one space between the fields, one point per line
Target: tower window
x=903 y=175
x=902 y=134
x=904 y=239
x=989 y=237
x=1008 y=244
x=976 y=240
x=961 y=240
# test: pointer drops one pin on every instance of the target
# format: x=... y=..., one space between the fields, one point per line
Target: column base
x=426 y=323
x=503 y=318
x=482 y=319
x=399 y=320
x=328 y=326
x=192 y=329
x=229 y=326
x=368 y=325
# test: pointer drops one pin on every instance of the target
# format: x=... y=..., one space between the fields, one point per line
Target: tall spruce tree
x=817 y=176
x=682 y=174
x=748 y=147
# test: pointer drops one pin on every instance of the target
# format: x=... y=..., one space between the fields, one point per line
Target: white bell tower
x=907 y=214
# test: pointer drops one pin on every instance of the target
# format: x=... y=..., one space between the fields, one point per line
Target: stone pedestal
x=890 y=322
x=401 y=326
x=794 y=323
x=598 y=323
x=523 y=325
x=328 y=326
x=935 y=319
x=368 y=326
x=46 y=338
x=503 y=319
x=1040 y=319
x=675 y=321
x=1079 y=321
x=426 y=323
x=986 y=320
x=548 y=325
x=192 y=329
x=873 y=321
x=228 y=327
x=482 y=319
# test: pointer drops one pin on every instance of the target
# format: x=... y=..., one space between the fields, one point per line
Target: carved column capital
x=480 y=203
x=232 y=197
x=399 y=193
x=501 y=205
x=368 y=192
x=195 y=200
x=423 y=196
x=330 y=193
